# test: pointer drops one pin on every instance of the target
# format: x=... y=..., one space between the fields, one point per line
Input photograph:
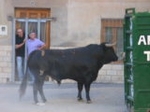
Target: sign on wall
x=3 y=30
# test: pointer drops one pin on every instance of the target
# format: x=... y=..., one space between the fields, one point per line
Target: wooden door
x=35 y=14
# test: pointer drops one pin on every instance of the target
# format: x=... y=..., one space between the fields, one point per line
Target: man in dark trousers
x=20 y=52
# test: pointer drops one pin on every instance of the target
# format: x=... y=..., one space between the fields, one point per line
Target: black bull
x=80 y=64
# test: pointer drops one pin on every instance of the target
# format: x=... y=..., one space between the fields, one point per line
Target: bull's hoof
x=89 y=101
x=59 y=82
x=80 y=99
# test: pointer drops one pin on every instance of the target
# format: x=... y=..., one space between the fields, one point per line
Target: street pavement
x=105 y=98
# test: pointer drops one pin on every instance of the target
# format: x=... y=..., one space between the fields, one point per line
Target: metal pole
x=13 y=50
x=38 y=29
x=49 y=36
x=26 y=37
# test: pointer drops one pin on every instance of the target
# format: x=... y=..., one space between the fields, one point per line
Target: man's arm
x=20 y=45
x=42 y=47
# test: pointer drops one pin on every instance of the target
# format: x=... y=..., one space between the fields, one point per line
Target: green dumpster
x=137 y=60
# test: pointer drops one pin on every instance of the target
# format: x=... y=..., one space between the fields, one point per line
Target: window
x=112 y=31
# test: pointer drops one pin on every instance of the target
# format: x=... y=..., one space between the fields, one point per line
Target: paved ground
x=105 y=98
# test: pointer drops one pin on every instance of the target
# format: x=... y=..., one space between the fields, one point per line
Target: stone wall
x=5 y=64
x=112 y=73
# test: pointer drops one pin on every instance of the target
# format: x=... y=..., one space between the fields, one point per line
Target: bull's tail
x=23 y=85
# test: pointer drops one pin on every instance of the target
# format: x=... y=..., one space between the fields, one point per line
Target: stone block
x=120 y=72
x=105 y=78
x=102 y=72
x=3 y=64
x=3 y=53
x=111 y=72
x=6 y=70
x=7 y=48
x=7 y=59
x=107 y=67
x=117 y=78
x=118 y=67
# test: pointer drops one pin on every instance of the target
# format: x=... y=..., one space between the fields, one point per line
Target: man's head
x=20 y=32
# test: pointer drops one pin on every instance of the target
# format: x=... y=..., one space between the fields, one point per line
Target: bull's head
x=109 y=53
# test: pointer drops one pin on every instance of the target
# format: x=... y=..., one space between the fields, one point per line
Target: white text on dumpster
x=145 y=40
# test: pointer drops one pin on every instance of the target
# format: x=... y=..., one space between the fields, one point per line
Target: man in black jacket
x=20 y=52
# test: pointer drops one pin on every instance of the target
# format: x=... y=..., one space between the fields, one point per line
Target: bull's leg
x=40 y=88
x=80 y=87
x=87 y=89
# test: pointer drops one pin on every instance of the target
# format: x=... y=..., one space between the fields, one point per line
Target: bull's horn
x=110 y=45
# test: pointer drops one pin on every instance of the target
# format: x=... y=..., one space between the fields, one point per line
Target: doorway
x=37 y=22
x=31 y=20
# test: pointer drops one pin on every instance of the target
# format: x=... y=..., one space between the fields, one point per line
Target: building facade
x=65 y=24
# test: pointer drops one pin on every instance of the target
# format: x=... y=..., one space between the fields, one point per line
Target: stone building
x=65 y=24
